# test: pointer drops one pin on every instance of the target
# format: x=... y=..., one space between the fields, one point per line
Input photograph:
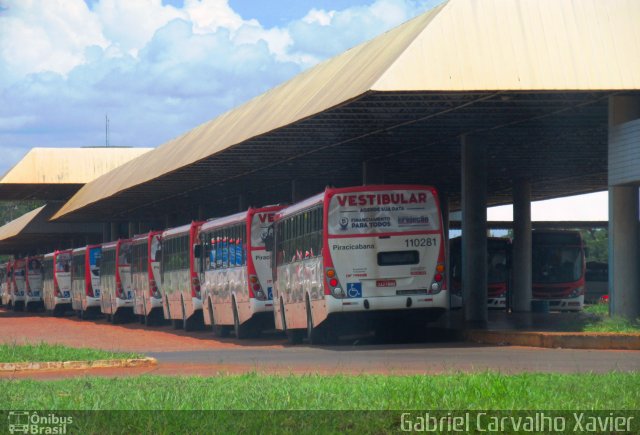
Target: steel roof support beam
x=474 y=230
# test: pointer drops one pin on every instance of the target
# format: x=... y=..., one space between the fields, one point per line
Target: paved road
x=200 y=353
x=415 y=358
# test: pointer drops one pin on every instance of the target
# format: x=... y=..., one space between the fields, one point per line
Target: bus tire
x=294 y=336
x=314 y=335
x=239 y=330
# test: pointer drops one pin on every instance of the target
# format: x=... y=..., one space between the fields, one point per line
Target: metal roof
x=57 y=173
x=530 y=78
x=33 y=233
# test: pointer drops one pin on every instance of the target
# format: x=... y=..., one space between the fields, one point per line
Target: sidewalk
x=551 y=330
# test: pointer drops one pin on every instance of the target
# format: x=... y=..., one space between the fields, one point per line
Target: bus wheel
x=314 y=335
x=187 y=323
x=240 y=330
x=294 y=336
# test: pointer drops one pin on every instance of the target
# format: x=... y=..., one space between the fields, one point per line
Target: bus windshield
x=556 y=264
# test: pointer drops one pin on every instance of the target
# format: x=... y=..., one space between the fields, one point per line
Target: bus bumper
x=258 y=306
x=385 y=303
x=34 y=297
x=566 y=304
x=124 y=303
x=61 y=301
x=497 y=302
x=92 y=301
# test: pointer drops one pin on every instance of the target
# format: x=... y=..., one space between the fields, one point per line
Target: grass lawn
x=43 y=352
x=602 y=322
x=315 y=392
x=313 y=404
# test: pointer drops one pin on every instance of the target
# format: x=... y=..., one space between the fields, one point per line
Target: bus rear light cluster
x=333 y=283
x=119 y=290
x=56 y=290
x=256 y=288
x=438 y=279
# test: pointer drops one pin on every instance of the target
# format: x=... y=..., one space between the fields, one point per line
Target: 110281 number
x=420 y=242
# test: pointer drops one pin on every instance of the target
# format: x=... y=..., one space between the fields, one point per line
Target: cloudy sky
x=159 y=68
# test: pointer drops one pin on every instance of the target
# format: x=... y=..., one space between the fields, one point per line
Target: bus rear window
x=398 y=258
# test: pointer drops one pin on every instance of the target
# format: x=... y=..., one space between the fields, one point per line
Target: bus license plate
x=386 y=283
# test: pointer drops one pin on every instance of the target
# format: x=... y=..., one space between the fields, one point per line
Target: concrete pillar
x=132 y=229
x=444 y=206
x=372 y=172
x=624 y=263
x=474 y=231
x=296 y=191
x=521 y=292
x=106 y=232
x=115 y=231
x=624 y=245
x=242 y=202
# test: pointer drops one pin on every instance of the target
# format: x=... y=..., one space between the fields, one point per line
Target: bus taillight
x=255 y=288
x=119 y=290
x=438 y=280
x=333 y=285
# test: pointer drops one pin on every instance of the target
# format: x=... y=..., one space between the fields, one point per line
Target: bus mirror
x=197 y=251
x=586 y=252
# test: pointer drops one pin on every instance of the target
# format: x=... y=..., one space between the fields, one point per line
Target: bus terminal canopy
x=529 y=79
x=57 y=173
x=33 y=233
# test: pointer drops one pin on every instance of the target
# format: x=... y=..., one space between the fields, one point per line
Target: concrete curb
x=78 y=365
x=567 y=340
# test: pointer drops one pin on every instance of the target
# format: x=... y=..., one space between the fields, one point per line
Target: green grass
x=43 y=352
x=602 y=322
x=311 y=404
x=314 y=392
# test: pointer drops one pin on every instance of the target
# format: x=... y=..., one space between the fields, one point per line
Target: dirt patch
x=129 y=337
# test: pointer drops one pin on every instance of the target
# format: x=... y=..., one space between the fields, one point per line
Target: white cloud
x=157 y=70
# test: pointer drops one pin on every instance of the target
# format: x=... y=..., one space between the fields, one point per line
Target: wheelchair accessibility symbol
x=354 y=290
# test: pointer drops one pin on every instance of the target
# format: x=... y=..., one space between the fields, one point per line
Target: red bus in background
x=57 y=282
x=116 y=293
x=146 y=254
x=33 y=284
x=498 y=273
x=4 y=274
x=182 y=301
x=17 y=284
x=237 y=279
x=85 y=287
x=558 y=269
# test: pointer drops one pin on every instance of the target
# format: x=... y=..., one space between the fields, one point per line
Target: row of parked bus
x=343 y=261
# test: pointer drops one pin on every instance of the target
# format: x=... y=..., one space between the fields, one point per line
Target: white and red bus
x=237 y=282
x=4 y=273
x=85 y=286
x=17 y=284
x=146 y=253
x=33 y=298
x=182 y=302
x=359 y=258
x=57 y=282
x=558 y=269
x=498 y=274
x=116 y=292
